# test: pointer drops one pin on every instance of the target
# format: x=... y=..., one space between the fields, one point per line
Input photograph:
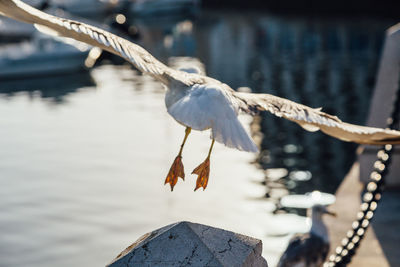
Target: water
x=83 y=157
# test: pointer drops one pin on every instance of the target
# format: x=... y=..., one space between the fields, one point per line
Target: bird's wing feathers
x=313 y=119
x=138 y=56
x=309 y=118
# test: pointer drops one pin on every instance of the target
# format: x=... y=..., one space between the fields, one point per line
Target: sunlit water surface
x=83 y=158
x=82 y=180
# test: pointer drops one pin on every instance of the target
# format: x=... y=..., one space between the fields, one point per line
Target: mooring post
x=378 y=167
x=386 y=87
x=192 y=244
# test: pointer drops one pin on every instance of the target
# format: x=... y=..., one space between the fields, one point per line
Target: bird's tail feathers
x=232 y=134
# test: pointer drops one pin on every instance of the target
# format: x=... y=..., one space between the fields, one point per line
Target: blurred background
x=86 y=142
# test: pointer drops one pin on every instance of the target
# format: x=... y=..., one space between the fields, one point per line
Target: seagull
x=309 y=249
x=197 y=101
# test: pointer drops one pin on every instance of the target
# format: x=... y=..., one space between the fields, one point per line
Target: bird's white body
x=209 y=106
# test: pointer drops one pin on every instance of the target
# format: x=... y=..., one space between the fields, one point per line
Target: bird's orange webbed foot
x=175 y=172
x=203 y=172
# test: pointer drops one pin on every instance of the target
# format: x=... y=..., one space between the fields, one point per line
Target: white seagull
x=309 y=249
x=199 y=102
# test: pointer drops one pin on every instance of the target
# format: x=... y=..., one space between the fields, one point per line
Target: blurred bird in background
x=309 y=249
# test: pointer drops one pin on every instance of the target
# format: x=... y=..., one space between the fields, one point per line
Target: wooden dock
x=380 y=245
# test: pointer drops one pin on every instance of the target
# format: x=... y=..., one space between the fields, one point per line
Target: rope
x=370 y=199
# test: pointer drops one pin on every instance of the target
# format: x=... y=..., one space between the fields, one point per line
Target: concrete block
x=192 y=244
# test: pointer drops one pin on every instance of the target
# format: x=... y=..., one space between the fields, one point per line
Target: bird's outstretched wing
x=138 y=56
x=313 y=119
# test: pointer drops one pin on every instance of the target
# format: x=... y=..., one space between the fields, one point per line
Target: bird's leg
x=203 y=171
x=176 y=169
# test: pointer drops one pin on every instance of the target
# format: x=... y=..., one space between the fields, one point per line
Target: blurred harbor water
x=83 y=157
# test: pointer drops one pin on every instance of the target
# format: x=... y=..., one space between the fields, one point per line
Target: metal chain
x=371 y=196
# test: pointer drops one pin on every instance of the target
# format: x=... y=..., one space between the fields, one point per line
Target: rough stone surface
x=191 y=244
x=381 y=105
